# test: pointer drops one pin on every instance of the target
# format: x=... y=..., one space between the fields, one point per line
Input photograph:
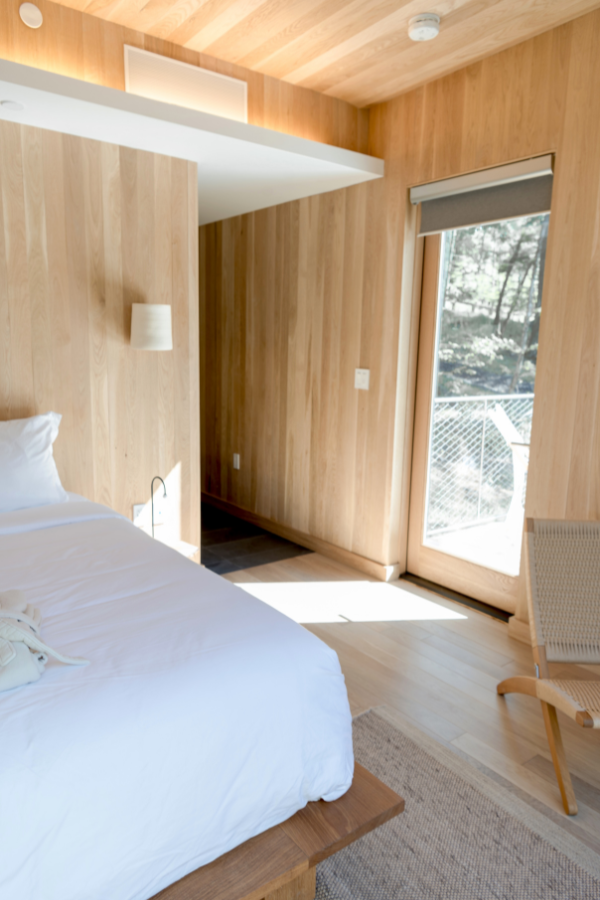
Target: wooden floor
x=441 y=675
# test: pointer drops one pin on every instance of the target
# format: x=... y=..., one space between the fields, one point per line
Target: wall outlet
x=142 y=512
x=236 y=460
x=138 y=514
x=361 y=379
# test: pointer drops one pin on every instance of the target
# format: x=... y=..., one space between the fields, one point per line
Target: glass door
x=480 y=313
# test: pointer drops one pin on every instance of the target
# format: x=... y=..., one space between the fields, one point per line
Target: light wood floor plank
x=478 y=660
x=587 y=792
x=436 y=698
x=440 y=675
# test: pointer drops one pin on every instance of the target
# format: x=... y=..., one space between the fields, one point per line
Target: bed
x=205 y=717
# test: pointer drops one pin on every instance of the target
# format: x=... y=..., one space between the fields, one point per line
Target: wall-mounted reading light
x=152 y=496
x=31 y=15
x=151 y=326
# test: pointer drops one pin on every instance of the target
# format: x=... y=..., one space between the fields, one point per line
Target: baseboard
x=519 y=630
x=369 y=566
x=457 y=597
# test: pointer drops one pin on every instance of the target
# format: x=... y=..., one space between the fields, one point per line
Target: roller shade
x=506 y=192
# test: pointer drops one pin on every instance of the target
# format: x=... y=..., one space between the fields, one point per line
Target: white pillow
x=28 y=475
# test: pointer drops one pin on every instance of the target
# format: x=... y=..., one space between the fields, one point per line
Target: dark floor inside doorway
x=230 y=544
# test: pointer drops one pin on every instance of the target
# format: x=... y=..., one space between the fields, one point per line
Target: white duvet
x=204 y=718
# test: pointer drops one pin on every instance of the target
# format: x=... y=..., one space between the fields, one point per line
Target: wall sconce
x=151 y=326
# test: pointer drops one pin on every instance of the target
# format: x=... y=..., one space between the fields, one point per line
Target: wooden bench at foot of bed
x=280 y=863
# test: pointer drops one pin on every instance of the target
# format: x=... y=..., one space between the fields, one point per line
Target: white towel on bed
x=23 y=655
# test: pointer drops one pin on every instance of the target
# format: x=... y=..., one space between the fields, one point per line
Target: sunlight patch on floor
x=313 y=602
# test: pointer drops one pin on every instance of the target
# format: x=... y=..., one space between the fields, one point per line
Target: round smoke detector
x=31 y=15
x=424 y=27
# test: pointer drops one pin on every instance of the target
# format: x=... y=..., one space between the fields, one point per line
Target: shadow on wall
x=112 y=303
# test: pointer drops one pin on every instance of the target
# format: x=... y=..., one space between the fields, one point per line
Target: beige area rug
x=462 y=835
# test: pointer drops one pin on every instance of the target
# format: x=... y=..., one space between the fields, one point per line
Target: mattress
x=204 y=718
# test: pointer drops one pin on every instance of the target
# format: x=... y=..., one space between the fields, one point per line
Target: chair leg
x=559 y=759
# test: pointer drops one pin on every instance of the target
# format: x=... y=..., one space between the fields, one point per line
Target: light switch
x=361 y=379
x=236 y=460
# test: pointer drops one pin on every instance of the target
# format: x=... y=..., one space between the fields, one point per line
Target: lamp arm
x=152 y=496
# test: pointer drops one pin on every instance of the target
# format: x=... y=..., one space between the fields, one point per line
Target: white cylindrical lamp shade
x=151 y=326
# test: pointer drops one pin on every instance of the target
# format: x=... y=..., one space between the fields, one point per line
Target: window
x=488 y=316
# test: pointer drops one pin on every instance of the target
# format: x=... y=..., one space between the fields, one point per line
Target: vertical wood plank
x=93 y=171
x=20 y=370
x=79 y=290
x=113 y=286
x=37 y=266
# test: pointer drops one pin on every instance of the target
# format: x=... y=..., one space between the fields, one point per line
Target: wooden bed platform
x=280 y=863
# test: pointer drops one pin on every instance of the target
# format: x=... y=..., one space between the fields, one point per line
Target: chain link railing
x=471 y=470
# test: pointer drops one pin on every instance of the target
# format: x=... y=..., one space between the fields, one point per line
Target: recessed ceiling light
x=31 y=15
x=12 y=104
x=424 y=27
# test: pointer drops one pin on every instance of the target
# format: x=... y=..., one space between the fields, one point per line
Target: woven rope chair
x=563 y=593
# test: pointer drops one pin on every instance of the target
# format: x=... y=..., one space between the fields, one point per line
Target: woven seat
x=563 y=592
x=578 y=699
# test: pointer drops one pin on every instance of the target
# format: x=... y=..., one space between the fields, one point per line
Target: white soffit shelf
x=241 y=167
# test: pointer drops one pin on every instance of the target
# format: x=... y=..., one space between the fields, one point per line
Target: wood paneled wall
x=90 y=228
x=86 y=47
x=294 y=298
x=87 y=229
x=284 y=322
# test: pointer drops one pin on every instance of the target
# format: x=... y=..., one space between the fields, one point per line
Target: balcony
x=477 y=477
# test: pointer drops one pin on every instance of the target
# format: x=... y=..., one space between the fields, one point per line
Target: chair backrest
x=564 y=588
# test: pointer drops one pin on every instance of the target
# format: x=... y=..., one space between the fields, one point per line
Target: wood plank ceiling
x=356 y=50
